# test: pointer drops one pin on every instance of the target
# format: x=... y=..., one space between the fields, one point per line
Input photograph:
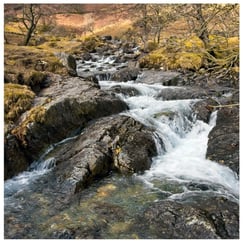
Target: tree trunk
x=27 y=37
x=203 y=31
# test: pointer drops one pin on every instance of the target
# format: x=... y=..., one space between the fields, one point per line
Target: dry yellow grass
x=17 y=99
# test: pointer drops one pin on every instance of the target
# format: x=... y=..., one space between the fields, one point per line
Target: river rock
x=127 y=91
x=116 y=142
x=125 y=74
x=203 y=109
x=202 y=218
x=71 y=65
x=181 y=93
x=167 y=78
x=223 y=143
x=61 y=110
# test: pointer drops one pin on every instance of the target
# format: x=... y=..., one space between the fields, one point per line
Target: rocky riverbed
x=100 y=132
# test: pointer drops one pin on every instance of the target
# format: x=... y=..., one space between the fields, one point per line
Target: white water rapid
x=181 y=154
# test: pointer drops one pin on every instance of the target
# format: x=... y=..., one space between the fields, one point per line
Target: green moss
x=17 y=99
x=36 y=114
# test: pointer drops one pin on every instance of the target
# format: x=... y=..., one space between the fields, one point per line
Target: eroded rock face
x=201 y=218
x=117 y=142
x=15 y=160
x=60 y=111
x=223 y=144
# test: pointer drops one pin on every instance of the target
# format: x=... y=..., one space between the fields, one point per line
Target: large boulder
x=60 y=111
x=116 y=142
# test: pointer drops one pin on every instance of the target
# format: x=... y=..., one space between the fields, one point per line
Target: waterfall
x=181 y=142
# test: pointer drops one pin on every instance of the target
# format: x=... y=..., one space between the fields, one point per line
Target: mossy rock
x=189 y=60
x=154 y=59
x=36 y=115
x=17 y=100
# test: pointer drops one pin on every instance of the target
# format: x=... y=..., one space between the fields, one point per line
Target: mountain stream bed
x=109 y=208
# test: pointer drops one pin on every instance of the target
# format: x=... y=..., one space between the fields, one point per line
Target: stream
x=107 y=209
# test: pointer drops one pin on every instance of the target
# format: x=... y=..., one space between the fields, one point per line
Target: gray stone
x=196 y=218
x=223 y=144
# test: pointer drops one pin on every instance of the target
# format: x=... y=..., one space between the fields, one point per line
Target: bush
x=90 y=44
x=36 y=80
x=176 y=53
x=151 y=46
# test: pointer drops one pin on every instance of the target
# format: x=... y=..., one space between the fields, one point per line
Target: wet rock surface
x=125 y=74
x=15 y=160
x=211 y=218
x=119 y=143
x=223 y=144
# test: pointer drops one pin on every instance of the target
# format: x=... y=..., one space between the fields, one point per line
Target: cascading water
x=38 y=168
x=184 y=139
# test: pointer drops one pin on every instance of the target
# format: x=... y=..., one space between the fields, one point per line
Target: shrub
x=36 y=80
x=90 y=43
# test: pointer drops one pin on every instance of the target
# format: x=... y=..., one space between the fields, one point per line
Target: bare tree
x=206 y=19
x=203 y=33
x=161 y=16
x=31 y=15
x=143 y=24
